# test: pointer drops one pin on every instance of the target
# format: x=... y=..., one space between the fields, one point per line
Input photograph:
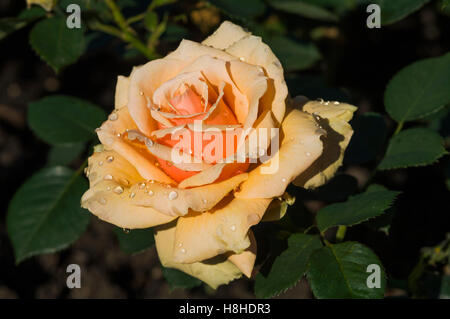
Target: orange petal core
x=190 y=102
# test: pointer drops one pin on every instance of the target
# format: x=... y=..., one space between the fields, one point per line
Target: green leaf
x=418 y=90
x=289 y=267
x=393 y=11
x=356 y=209
x=64 y=154
x=294 y=55
x=368 y=140
x=304 y=9
x=341 y=271
x=61 y=119
x=55 y=43
x=236 y=8
x=413 y=147
x=135 y=240
x=9 y=25
x=45 y=215
x=178 y=279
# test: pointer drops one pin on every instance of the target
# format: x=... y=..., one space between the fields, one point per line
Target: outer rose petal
x=200 y=236
x=300 y=147
x=252 y=50
x=122 y=88
x=176 y=201
x=118 y=122
x=225 y=35
x=214 y=272
x=334 y=119
x=103 y=201
x=246 y=260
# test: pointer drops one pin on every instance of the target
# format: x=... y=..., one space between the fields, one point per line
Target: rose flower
x=202 y=206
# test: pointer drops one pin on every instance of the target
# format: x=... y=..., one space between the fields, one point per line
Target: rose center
x=190 y=102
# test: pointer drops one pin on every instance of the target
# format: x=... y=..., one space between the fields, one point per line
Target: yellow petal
x=225 y=35
x=214 y=272
x=122 y=89
x=109 y=194
x=246 y=260
x=118 y=122
x=176 y=201
x=252 y=50
x=200 y=236
x=333 y=117
x=300 y=147
x=188 y=51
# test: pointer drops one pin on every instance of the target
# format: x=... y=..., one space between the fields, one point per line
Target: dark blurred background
x=356 y=65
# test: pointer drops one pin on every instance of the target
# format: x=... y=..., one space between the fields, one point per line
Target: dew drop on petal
x=118 y=190
x=283 y=180
x=132 y=195
x=113 y=117
x=308 y=154
x=100 y=163
x=108 y=177
x=141 y=185
x=150 y=193
x=183 y=250
x=233 y=227
x=109 y=159
x=102 y=201
x=126 y=230
x=173 y=195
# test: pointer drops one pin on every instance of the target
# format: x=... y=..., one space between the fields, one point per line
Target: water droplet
x=156 y=164
x=173 y=195
x=113 y=117
x=150 y=193
x=108 y=177
x=180 y=244
x=204 y=201
x=132 y=195
x=242 y=58
x=124 y=181
x=335 y=103
x=148 y=142
x=98 y=129
x=283 y=180
x=261 y=152
x=308 y=154
x=233 y=227
x=320 y=100
x=183 y=250
x=102 y=201
x=118 y=190
x=108 y=188
x=109 y=159
x=100 y=163
x=119 y=135
x=141 y=185
x=141 y=93
x=126 y=230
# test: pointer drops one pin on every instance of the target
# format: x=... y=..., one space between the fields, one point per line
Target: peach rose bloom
x=202 y=211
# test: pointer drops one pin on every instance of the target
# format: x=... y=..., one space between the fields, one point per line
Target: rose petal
x=333 y=117
x=225 y=35
x=246 y=260
x=121 y=95
x=109 y=194
x=176 y=201
x=300 y=147
x=144 y=80
x=252 y=50
x=120 y=121
x=200 y=236
x=214 y=272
